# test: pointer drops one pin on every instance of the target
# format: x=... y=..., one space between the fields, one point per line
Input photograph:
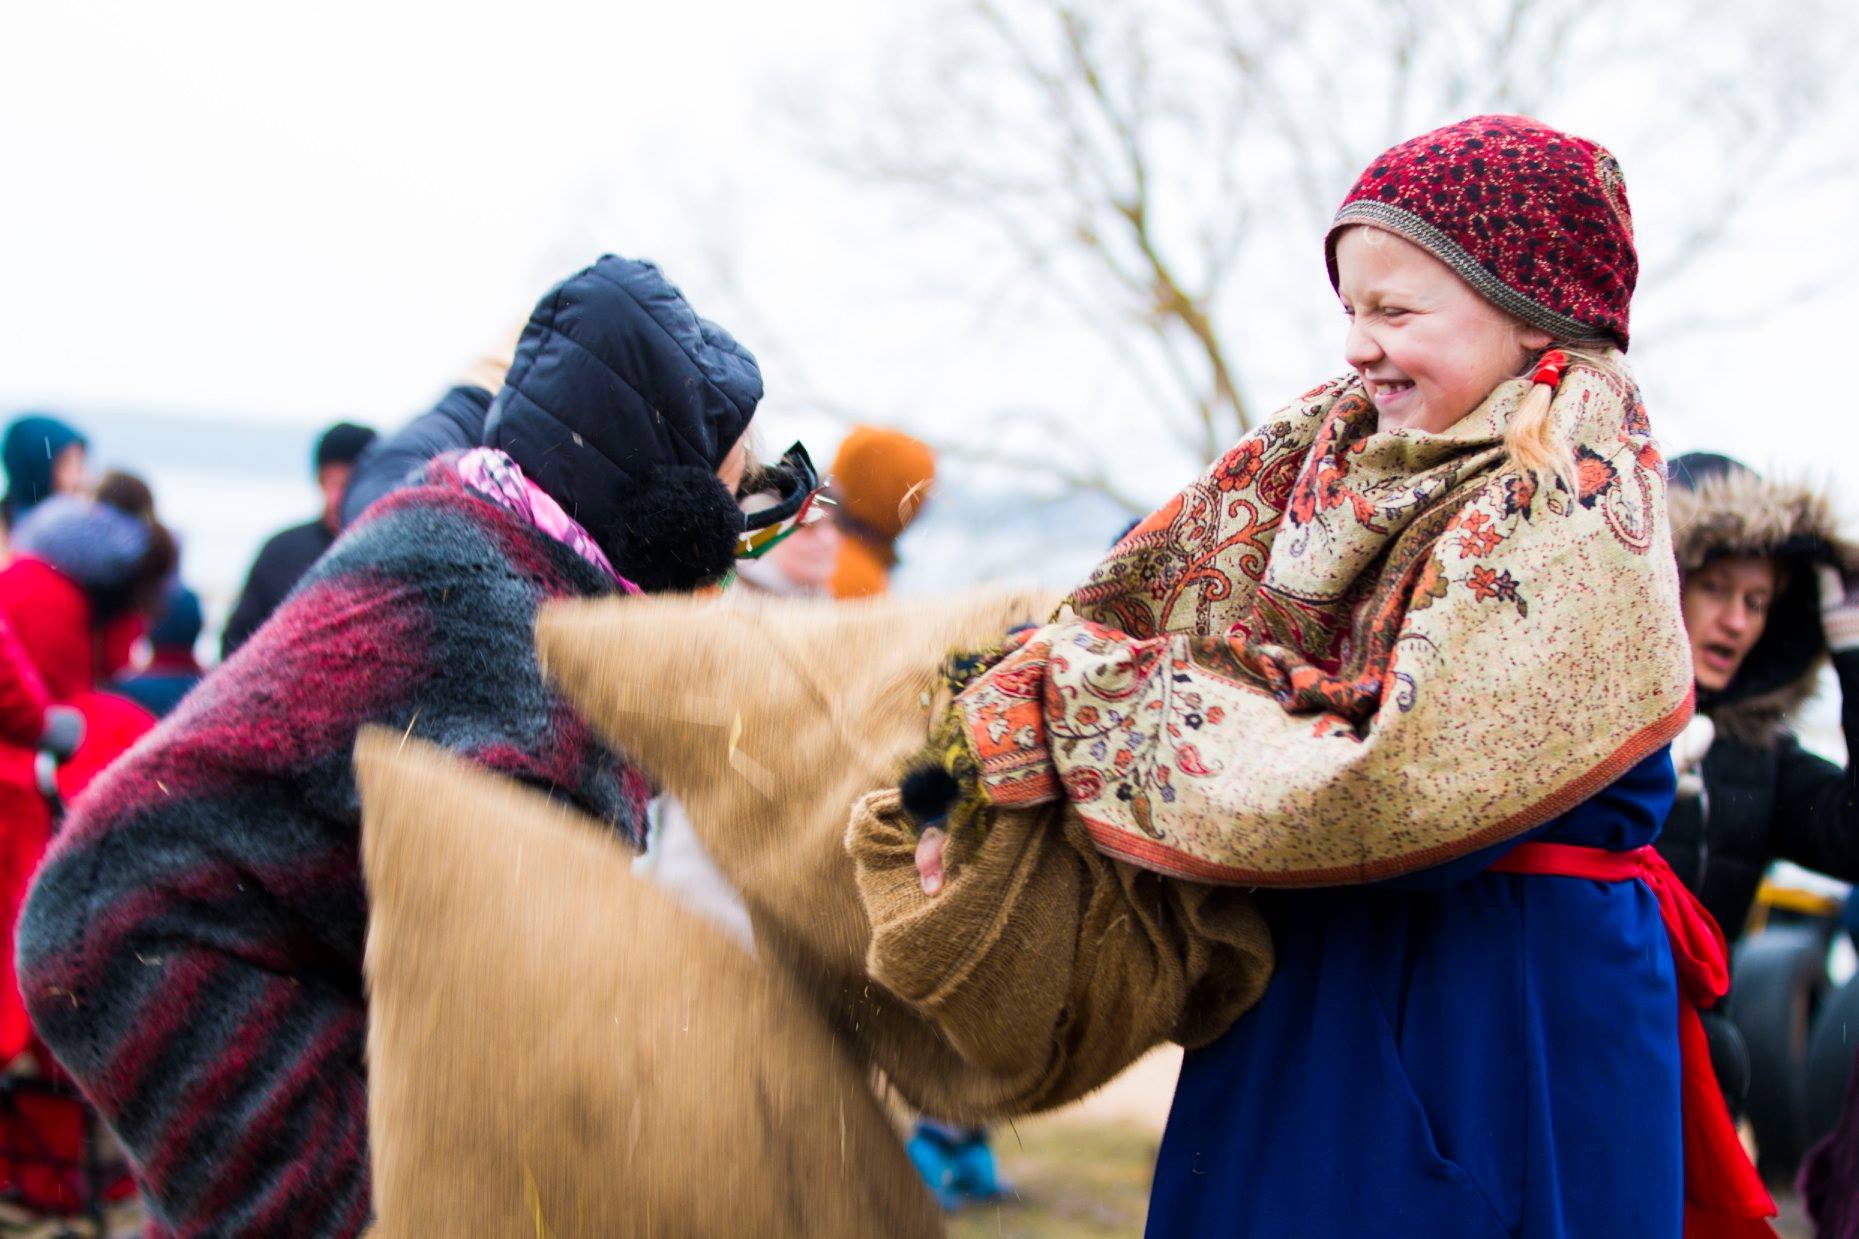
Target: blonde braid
x=1531 y=440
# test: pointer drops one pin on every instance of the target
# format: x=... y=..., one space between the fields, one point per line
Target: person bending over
x=192 y=948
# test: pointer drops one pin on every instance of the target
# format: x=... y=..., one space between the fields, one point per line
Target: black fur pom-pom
x=927 y=792
x=676 y=531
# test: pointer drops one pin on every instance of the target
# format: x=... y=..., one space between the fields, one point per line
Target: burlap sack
x=1045 y=964
x=556 y=1047
x=1041 y=970
x=767 y=719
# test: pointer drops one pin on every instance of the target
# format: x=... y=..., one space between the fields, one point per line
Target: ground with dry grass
x=1084 y=1170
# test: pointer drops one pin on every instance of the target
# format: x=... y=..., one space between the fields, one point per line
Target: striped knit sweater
x=192 y=948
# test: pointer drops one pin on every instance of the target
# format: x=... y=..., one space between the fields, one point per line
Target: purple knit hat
x=96 y=545
x=1534 y=219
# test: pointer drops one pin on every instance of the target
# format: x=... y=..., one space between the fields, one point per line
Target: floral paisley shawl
x=1343 y=655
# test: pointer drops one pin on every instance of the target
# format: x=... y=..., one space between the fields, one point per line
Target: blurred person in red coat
x=81 y=567
x=85 y=572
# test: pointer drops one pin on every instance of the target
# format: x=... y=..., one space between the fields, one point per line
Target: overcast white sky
x=219 y=208
x=291 y=215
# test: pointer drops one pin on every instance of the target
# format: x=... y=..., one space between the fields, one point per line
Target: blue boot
x=976 y=1177
x=930 y=1153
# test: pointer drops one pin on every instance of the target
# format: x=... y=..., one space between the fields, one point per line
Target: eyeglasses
x=797 y=484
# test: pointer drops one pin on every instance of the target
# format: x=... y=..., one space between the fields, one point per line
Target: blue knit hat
x=32 y=445
x=341 y=444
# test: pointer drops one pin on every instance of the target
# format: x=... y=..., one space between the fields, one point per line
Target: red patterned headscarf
x=1534 y=219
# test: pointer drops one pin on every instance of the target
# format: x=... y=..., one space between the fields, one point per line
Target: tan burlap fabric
x=1041 y=970
x=558 y=1048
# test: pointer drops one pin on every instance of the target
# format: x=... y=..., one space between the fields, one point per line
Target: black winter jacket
x=1758 y=796
x=1761 y=803
x=281 y=563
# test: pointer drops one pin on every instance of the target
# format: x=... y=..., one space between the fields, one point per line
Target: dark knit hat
x=177 y=625
x=1534 y=219
x=342 y=444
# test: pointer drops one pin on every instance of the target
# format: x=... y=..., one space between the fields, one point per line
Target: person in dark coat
x=455 y=423
x=191 y=950
x=172 y=669
x=43 y=457
x=80 y=566
x=1765 y=608
x=288 y=554
x=126 y=492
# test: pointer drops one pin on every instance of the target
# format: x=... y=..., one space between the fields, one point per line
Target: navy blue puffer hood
x=620 y=403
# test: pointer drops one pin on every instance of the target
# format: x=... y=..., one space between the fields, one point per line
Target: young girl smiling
x=1408 y=659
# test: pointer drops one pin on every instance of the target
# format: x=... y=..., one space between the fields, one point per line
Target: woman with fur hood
x=192 y=949
x=1770 y=596
x=1408 y=660
x=1765 y=606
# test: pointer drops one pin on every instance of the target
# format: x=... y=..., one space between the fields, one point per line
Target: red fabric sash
x=1724 y=1197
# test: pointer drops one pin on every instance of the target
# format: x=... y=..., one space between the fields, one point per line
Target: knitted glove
x=943 y=785
x=63 y=732
x=941 y=791
x=946 y=776
x=1839 y=609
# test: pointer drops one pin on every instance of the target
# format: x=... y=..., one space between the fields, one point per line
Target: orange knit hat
x=880 y=479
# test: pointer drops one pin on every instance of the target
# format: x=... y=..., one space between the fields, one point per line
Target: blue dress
x=1458 y=1053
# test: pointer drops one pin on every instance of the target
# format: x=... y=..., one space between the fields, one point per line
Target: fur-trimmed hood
x=1721 y=507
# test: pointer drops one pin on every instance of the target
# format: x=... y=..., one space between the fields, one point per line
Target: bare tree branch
x=1135 y=158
